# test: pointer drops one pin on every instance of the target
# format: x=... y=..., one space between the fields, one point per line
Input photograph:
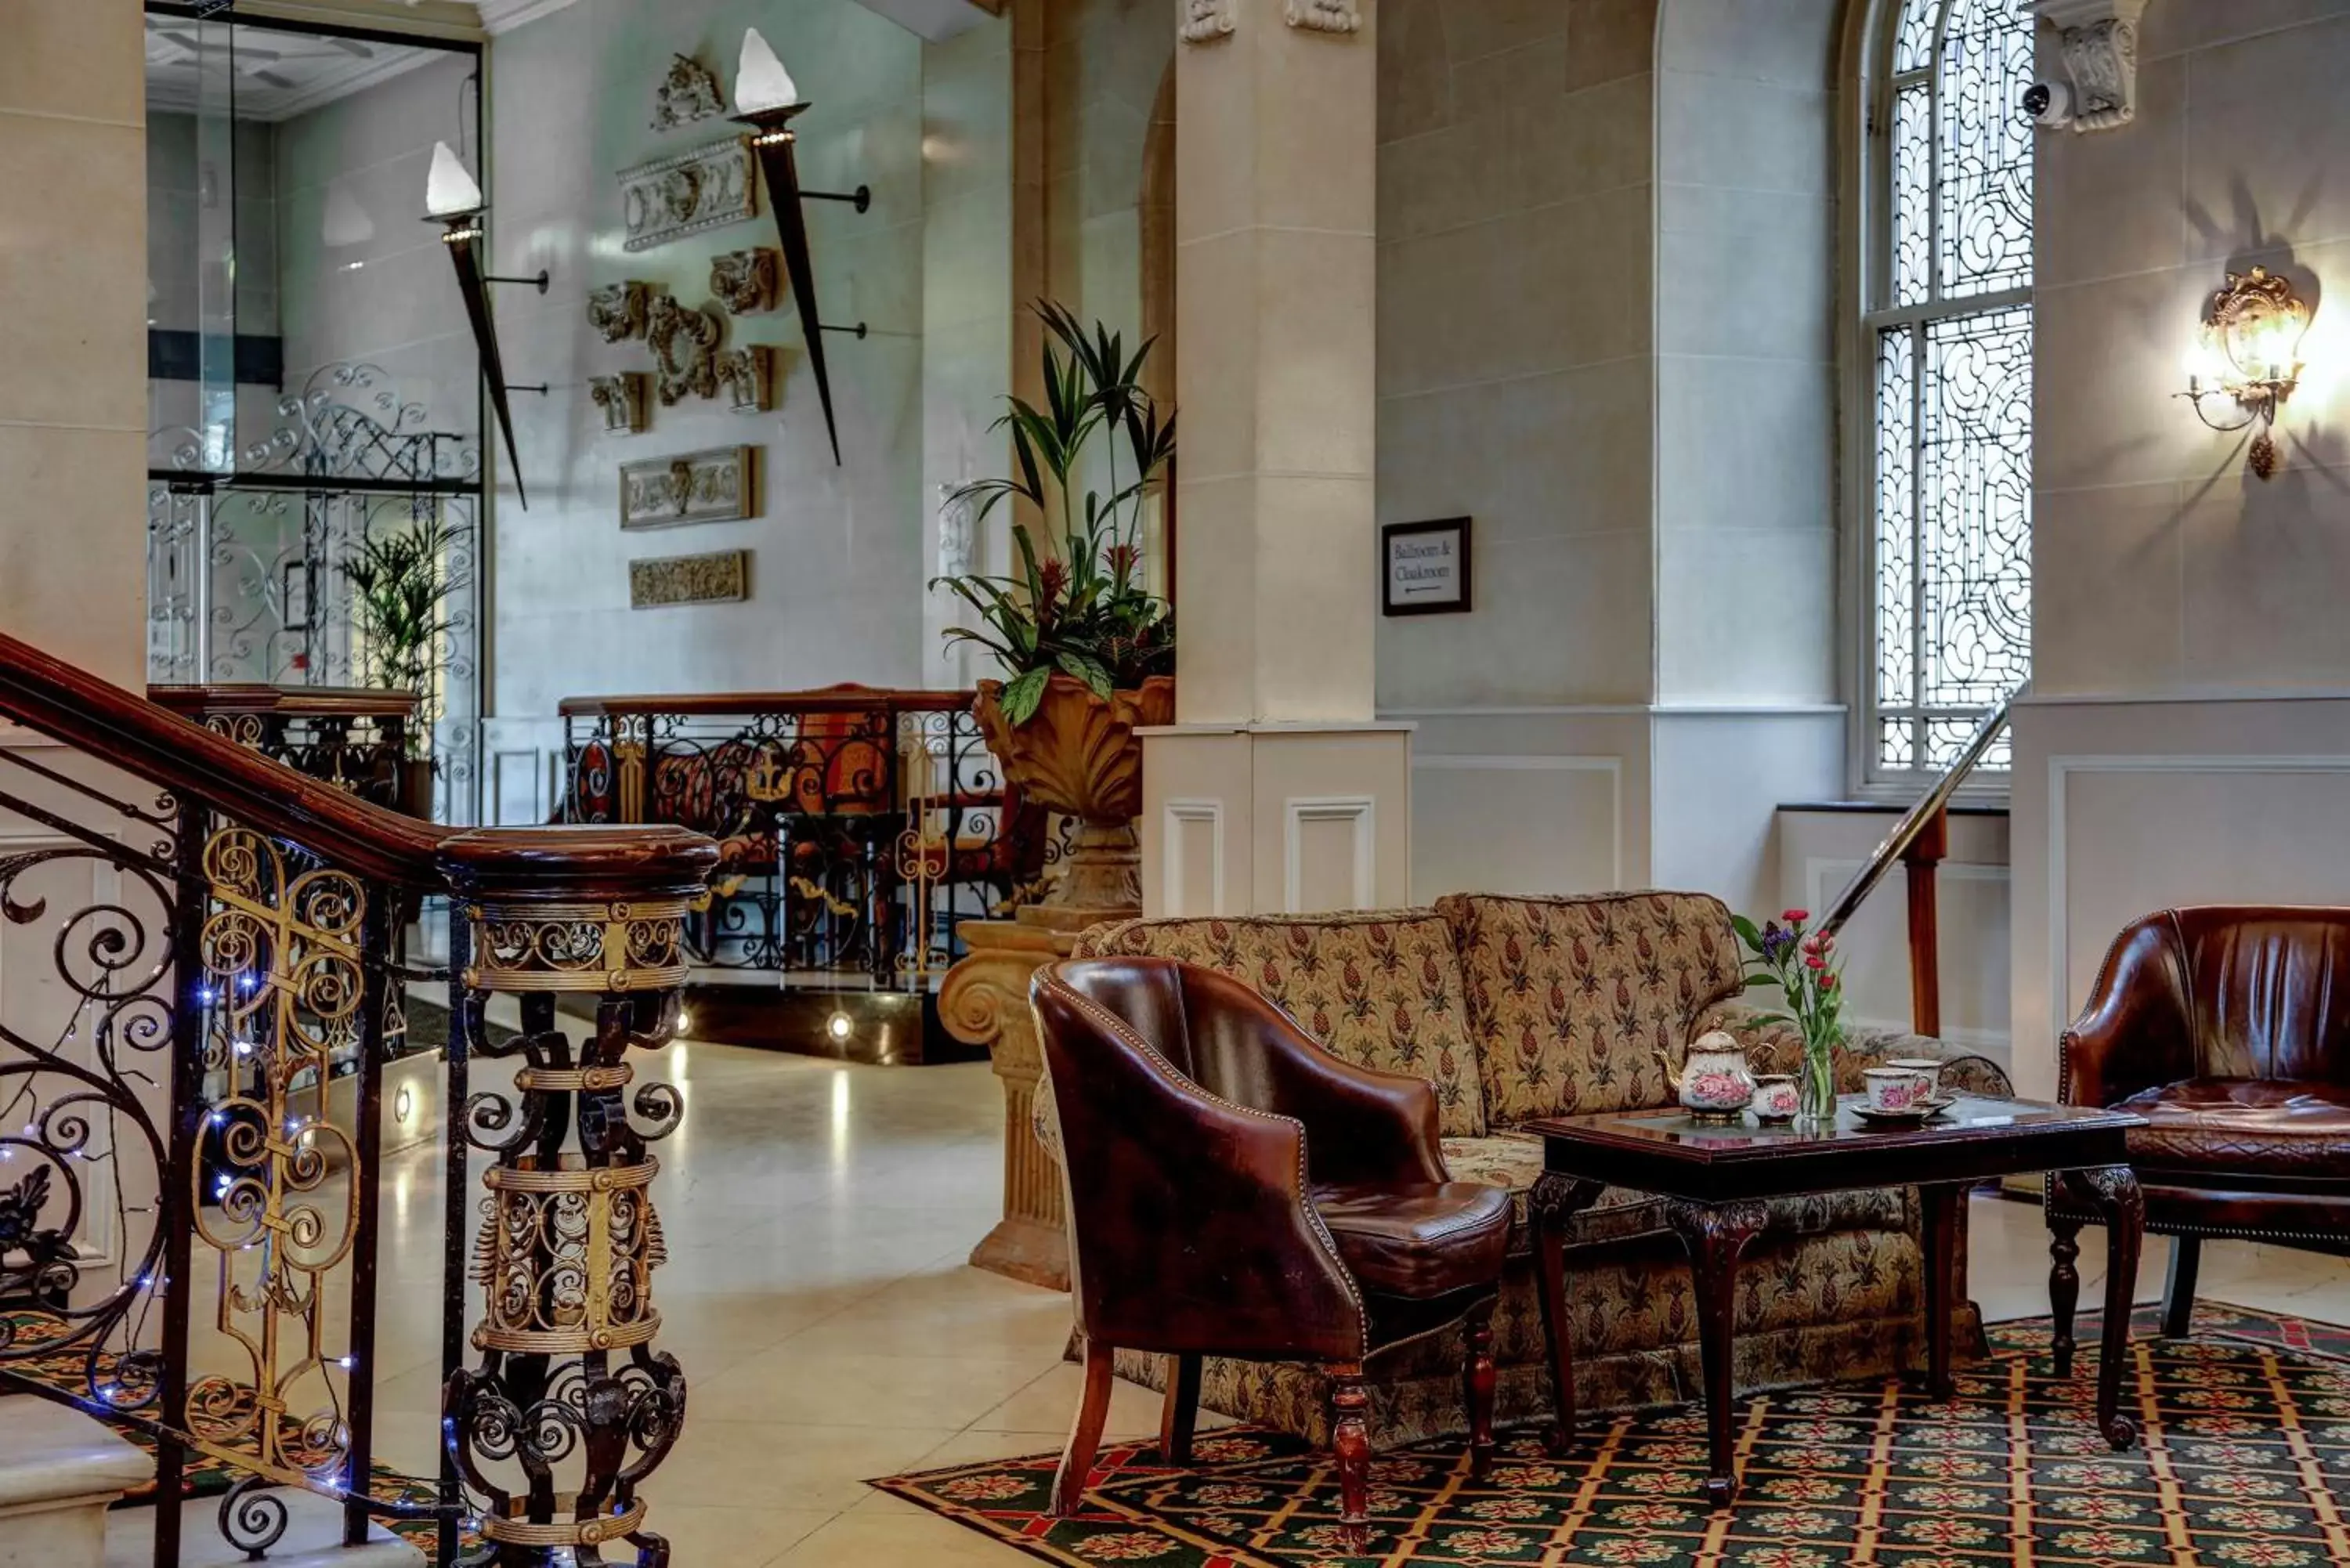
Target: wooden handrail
x=152 y=744
x=821 y=699
x=1919 y=842
x=294 y=702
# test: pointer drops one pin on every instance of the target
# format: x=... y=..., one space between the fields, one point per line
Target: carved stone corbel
x=744 y=281
x=621 y=400
x=1323 y=15
x=2098 y=39
x=1205 y=21
x=617 y=310
x=748 y=374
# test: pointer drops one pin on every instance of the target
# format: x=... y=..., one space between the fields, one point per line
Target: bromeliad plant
x=1083 y=609
x=1803 y=965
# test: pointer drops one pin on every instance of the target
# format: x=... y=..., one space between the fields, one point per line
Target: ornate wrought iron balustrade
x=354 y=738
x=855 y=825
x=200 y=942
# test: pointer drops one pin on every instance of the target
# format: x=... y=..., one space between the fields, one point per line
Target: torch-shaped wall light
x=454 y=200
x=767 y=99
x=2250 y=354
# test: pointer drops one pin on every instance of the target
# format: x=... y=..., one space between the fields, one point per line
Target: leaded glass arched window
x=1948 y=302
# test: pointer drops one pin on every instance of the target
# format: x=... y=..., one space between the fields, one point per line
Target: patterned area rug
x=2244 y=1463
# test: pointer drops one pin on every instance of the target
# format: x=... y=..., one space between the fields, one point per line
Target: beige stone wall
x=2160 y=566
x=73 y=404
x=1747 y=262
x=1516 y=341
x=2189 y=739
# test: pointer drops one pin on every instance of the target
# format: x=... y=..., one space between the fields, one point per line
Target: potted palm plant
x=1087 y=650
x=401 y=585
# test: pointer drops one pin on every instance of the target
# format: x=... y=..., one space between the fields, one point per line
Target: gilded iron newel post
x=569 y=1399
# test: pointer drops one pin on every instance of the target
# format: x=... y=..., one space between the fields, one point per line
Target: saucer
x=1915 y=1115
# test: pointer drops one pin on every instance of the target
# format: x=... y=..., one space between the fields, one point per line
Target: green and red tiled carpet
x=2244 y=1463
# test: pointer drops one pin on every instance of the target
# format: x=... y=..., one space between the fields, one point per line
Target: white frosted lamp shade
x=449 y=190
x=761 y=83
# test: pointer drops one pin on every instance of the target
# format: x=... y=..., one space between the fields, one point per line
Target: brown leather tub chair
x=2228 y=1028
x=1235 y=1190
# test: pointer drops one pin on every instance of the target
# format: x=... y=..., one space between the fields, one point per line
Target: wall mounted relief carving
x=744 y=281
x=1322 y=15
x=621 y=400
x=617 y=310
x=685 y=341
x=1204 y=21
x=719 y=486
x=722 y=576
x=690 y=92
x=748 y=374
x=2098 y=39
x=687 y=193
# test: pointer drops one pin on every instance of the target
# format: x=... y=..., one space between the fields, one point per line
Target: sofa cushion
x=1570 y=1000
x=2250 y=1126
x=1380 y=988
x=1420 y=1242
x=1514 y=1159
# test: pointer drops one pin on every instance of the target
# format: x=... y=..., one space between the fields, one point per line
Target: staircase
x=60 y=1470
x=209 y=956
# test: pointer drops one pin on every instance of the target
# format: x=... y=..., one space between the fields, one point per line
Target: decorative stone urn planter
x=1078 y=755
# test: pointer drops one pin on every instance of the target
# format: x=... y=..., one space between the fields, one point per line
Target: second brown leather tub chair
x=2228 y=1028
x=1236 y=1190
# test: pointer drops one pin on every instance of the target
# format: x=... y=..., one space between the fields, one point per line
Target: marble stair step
x=312 y=1539
x=59 y=1472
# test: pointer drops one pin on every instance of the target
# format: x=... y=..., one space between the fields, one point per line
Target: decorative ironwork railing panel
x=855 y=826
x=204 y=983
x=357 y=739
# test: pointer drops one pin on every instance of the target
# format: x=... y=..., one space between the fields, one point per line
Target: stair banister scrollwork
x=233 y=986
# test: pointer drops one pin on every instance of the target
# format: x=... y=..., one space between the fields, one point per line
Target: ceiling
x=270 y=75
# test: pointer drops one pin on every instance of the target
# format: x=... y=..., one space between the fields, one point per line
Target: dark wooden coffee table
x=1715 y=1181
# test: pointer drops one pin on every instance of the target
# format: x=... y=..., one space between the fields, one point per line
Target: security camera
x=2050 y=104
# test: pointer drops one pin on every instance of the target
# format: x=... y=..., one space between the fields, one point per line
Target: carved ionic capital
x=1205 y=21
x=2099 y=42
x=1322 y=15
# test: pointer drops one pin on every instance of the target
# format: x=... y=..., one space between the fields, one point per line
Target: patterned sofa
x=1516 y=1008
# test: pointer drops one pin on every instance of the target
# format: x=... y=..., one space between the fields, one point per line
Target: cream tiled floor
x=818 y=1218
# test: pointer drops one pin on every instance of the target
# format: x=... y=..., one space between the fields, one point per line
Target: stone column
x=73 y=268
x=985 y=1001
x=1275 y=790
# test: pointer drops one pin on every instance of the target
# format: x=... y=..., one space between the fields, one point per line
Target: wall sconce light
x=2250 y=356
x=452 y=200
x=767 y=99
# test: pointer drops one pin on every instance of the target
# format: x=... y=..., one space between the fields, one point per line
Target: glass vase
x=1815 y=1096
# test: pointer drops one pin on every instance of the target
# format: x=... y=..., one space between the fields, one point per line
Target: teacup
x=1776 y=1099
x=1933 y=1069
x=1898 y=1091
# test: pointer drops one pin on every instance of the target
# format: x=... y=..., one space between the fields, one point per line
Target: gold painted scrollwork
x=283 y=984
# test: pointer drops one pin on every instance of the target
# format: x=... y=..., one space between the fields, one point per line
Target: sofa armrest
x=1779 y=1048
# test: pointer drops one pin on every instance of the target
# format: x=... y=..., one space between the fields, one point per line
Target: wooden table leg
x=1554 y=1200
x=1716 y=1234
x=2116 y=1189
x=1943 y=1232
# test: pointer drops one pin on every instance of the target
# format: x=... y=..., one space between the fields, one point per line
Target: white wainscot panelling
x=2131 y=835
x=1513 y=824
x=1329 y=848
x=1973 y=906
x=1192 y=839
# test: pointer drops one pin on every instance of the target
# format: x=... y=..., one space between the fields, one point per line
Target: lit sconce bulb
x=449 y=190
x=761 y=83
